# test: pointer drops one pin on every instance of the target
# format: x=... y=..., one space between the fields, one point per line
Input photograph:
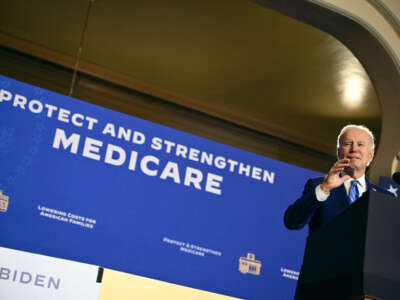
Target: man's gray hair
x=361 y=127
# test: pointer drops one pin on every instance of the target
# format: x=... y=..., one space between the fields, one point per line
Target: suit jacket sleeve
x=303 y=209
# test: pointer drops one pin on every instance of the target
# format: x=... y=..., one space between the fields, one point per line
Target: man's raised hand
x=333 y=179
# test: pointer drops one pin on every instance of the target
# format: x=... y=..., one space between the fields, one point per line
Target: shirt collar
x=362 y=184
x=361 y=181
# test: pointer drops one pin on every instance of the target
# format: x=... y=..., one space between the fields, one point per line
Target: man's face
x=355 y=145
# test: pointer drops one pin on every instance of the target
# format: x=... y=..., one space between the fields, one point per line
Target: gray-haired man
x=325 y=197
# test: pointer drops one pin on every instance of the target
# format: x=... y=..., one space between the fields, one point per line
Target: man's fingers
x=345 y=177
x=342 y=163
x=339 y=166
x=336 y=169
x=343 y=160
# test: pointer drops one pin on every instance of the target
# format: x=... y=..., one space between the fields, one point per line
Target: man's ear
x=371 y=155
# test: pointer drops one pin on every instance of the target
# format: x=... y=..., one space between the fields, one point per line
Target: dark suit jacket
x=308 y=210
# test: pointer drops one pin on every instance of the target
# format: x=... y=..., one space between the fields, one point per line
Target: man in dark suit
x=325 y=197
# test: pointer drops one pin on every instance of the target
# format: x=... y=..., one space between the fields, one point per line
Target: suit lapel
x=369 y=184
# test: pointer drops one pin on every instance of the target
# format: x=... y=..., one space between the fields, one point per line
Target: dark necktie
x=354 y=194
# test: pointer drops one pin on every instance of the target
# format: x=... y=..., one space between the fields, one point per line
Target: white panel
x=30 y=276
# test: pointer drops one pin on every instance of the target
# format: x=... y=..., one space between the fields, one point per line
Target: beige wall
x=371 y=31
x=382 y=19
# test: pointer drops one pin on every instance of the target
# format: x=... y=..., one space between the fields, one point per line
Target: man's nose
x=354 y=147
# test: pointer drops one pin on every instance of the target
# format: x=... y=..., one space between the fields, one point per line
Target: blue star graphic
x=393 y=190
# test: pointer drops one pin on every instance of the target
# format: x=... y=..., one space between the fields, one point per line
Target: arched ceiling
x=234 y=60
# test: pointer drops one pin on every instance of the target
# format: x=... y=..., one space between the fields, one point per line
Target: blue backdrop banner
x=88 y=184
